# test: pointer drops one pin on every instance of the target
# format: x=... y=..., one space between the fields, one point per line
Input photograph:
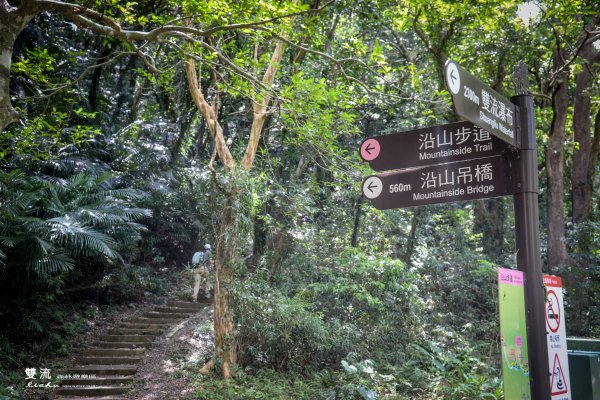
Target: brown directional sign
x=481 y=105
x=441 y=144
x=466 y=180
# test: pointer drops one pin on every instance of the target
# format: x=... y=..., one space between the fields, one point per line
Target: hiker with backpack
x=202 y=272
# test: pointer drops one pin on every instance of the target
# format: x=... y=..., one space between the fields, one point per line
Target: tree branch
x=567 y=64
x=246 y=25
x=326 y=56
x=209 y=114
x=230 y=64
x=260 y=108
x=6 y=8
x=87 y=71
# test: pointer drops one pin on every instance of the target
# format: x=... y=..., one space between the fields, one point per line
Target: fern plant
x=47 y=224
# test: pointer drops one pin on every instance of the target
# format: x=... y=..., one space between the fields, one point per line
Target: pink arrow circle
x=369 y=150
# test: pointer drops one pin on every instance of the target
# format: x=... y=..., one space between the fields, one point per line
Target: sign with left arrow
x=440 y=144
x=481 y=104
x=465 y=180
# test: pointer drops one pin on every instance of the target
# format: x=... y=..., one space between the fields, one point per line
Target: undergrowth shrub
x=130 y=282
x=428 y=372
x=283 y=333
x=376 y=295
x=264 y=384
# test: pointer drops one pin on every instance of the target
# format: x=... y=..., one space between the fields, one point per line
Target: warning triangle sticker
x=558 y=385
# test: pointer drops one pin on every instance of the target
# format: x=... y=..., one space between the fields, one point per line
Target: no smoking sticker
x=552 y=311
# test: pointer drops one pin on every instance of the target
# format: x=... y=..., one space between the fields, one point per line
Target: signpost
x=481 y=104
x=465 y=180
x=440 y=164
x=527 y=232
x=441 y=144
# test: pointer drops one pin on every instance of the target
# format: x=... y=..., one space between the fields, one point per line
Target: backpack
x=198 y=258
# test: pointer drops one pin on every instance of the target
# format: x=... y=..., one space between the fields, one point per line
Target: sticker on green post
x=513 y=333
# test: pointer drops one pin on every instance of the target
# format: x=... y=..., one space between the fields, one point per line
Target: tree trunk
x=12 y=21
x=226 y=250
x=355 y=230
x=489 y=221
x=412 y=236
x=555 y=160
x=582 y=188
x=226 y=246
x=259 y=107
x=96 y=77
x=584 y=165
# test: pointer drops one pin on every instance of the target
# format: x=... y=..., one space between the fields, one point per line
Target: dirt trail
x=140 y=352
x=109 y=368
x=160 y=374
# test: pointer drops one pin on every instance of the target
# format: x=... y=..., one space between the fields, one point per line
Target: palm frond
x=81 y=240
x=52 y=263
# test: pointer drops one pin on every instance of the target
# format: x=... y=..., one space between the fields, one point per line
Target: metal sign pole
x=527 y=232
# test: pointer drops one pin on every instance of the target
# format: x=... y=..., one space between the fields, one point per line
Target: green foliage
x=427 y=372
x=281 y=332
x=63 y=223
x=361 y=380
x=460 y=375
x=377 y=295
x=130 y=282
x=47 y=223
x=581 y=279
x=263 y=384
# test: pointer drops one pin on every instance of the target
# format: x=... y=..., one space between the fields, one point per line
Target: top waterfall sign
x=481 y=105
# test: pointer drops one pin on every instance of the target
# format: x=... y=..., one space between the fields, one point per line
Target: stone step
x=104 y=370
x=99 y=360
x=127 y=338
x=143 y=325
x=155 y=321
x=89 y=391
x=186 y=304
x=125 y=352
x=120 y=345
x=163 y=315
x=99 y=381
x=175 y=310
x=135 y=331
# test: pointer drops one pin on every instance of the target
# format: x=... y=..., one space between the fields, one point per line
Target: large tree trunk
x=582 y=188
x=12 y=21
x=584 y=164
x=555 y=160
x=226 y=250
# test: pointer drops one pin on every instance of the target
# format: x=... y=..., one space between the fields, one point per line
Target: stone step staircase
x=105 y=370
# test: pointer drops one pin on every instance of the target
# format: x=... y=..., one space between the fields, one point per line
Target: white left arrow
x=453 y=77
x=372 y=187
